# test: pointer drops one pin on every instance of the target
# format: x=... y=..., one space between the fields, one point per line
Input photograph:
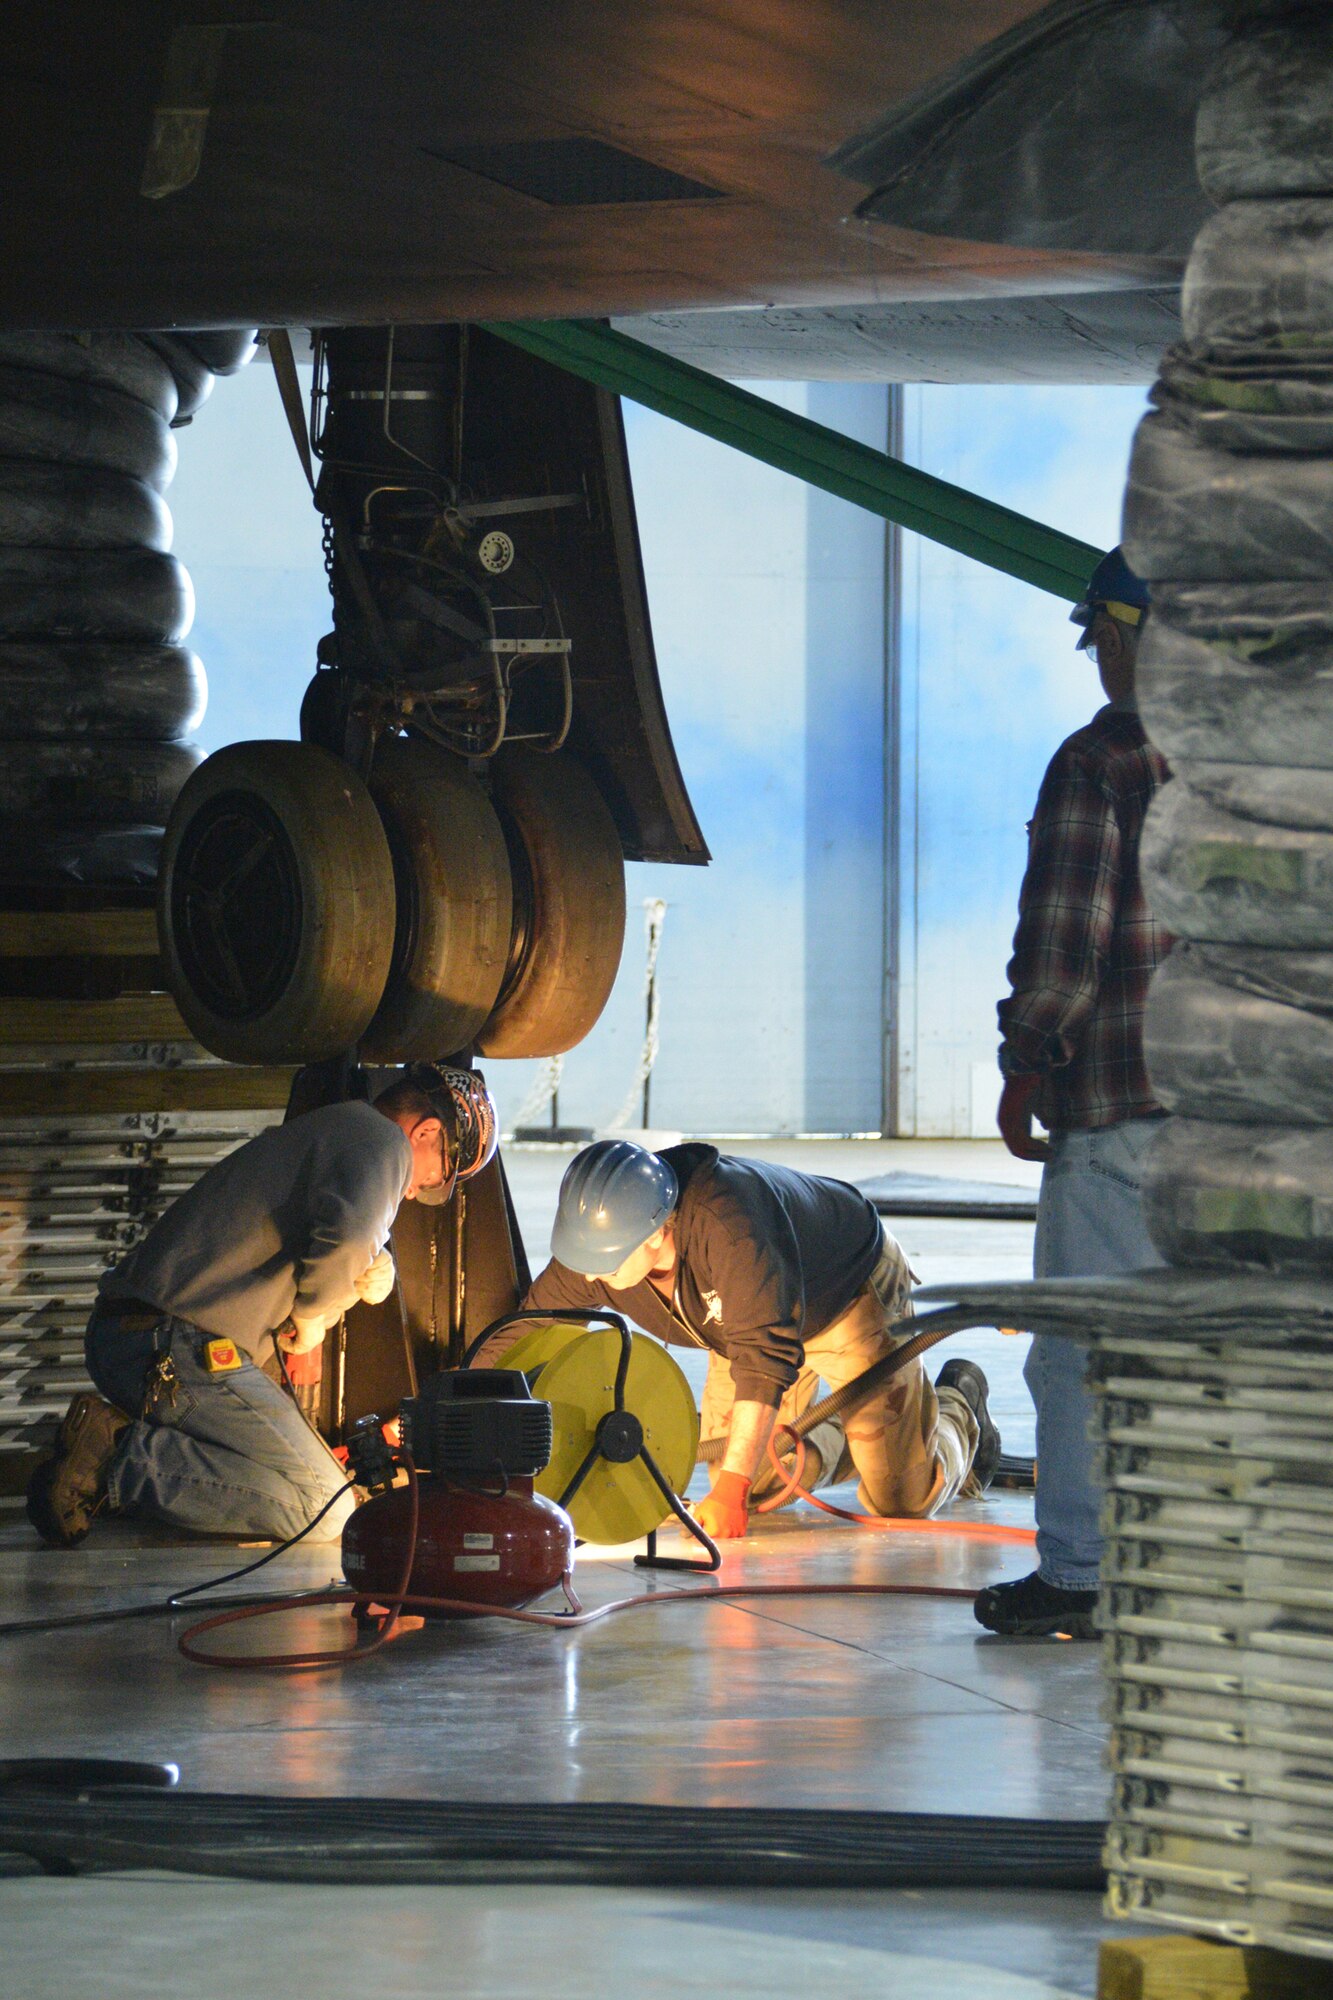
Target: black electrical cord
x=164 y=1607
x=377 y=1840
x=20 y=1628
x=270 y=1555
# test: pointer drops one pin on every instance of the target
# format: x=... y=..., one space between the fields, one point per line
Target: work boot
x=66 y=1491
x=972 y=1386
x=1034 y=1609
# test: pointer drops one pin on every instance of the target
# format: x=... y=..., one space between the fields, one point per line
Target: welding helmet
x=1112 y=587
x=466 y=1110
x=614 y=1195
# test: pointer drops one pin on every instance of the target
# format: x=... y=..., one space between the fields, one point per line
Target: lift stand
x=619 y=1440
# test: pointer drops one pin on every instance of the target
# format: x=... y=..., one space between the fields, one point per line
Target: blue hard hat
x=1112 y=587
x=614 y=1195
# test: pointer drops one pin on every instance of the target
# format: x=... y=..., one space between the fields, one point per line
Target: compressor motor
x=483 y=1535
x=476 y=1426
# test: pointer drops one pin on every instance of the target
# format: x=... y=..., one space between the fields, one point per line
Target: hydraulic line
x=370 y=1840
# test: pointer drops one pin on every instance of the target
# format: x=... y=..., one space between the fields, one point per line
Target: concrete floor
x=892 y=1703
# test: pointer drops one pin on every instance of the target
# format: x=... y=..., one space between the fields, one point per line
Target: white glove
x=377 y=1281
x=305 y=1334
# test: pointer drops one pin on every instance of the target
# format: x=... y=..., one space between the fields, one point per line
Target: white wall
x=768 y=617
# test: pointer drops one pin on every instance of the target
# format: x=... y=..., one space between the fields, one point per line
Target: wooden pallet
x=1190 y=1968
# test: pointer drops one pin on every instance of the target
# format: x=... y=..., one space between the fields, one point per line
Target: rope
x=630 y=1112
x=545 y=1085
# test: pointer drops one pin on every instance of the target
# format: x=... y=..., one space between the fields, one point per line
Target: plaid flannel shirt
x=1086 y=944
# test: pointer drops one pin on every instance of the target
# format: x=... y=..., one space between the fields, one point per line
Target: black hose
x=360 y=1840
x=930 y=1331
x=82 y=1774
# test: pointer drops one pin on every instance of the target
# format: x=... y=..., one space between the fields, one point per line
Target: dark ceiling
x=330 y=163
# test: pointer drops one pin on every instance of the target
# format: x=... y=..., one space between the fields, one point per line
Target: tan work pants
x=911 y=1445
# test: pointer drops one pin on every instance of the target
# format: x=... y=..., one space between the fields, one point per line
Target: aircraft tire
x=222 y=350
x=276 y=904
x=1264 y=127
x=1193 y=513
x=1241 y=1032
x=1242 y=854
x=1207 y=699
x=193 y=379
x=454 y=903
x=569 y=905
x=1260 y=276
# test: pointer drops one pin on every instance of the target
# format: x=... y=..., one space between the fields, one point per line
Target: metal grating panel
x=575 y=173
x=73 y=1199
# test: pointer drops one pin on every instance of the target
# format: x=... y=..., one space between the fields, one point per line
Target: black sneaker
x=66 y=1491
x=972 y=1386
x=1034 y=1609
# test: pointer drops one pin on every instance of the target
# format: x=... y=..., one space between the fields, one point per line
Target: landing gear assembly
x=436 y=868
x=437 y=865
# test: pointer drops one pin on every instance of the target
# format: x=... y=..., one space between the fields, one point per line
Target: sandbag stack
x=98 y=694
x=1218 y=1597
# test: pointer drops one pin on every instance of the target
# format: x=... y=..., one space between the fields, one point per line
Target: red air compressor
x=476 y=1439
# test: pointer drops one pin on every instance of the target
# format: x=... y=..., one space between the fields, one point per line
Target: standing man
x=786 y=1278
x=266 y=1251
x=1071 y=1054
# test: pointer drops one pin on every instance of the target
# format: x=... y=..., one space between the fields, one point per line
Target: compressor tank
x=502 y=1548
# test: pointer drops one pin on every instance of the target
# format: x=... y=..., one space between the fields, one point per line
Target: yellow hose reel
x=620 y=1407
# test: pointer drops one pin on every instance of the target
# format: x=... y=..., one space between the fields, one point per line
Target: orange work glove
x=725 y=1514
x=1015 y=1118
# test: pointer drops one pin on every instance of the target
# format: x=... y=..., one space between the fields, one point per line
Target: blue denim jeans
x=1089 y=1224
x=230 y=1455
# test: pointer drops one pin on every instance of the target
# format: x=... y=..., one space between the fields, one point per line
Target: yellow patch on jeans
x=222 y=1356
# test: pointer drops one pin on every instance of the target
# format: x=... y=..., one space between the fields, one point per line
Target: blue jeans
x=230 y=1455
x=1089 y=1224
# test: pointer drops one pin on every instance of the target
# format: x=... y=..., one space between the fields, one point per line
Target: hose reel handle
x=581 y=1316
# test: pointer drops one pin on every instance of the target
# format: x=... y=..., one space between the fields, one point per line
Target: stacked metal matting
x=1218 y=1609
x=1216 y=1395
x=108 y=1110
x=73 y=1197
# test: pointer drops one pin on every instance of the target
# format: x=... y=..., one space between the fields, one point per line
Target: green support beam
x=932 y=507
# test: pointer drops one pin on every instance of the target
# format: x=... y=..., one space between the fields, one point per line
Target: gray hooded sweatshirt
x=287 y=1223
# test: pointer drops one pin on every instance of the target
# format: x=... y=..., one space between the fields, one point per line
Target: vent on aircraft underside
x=575 y=173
